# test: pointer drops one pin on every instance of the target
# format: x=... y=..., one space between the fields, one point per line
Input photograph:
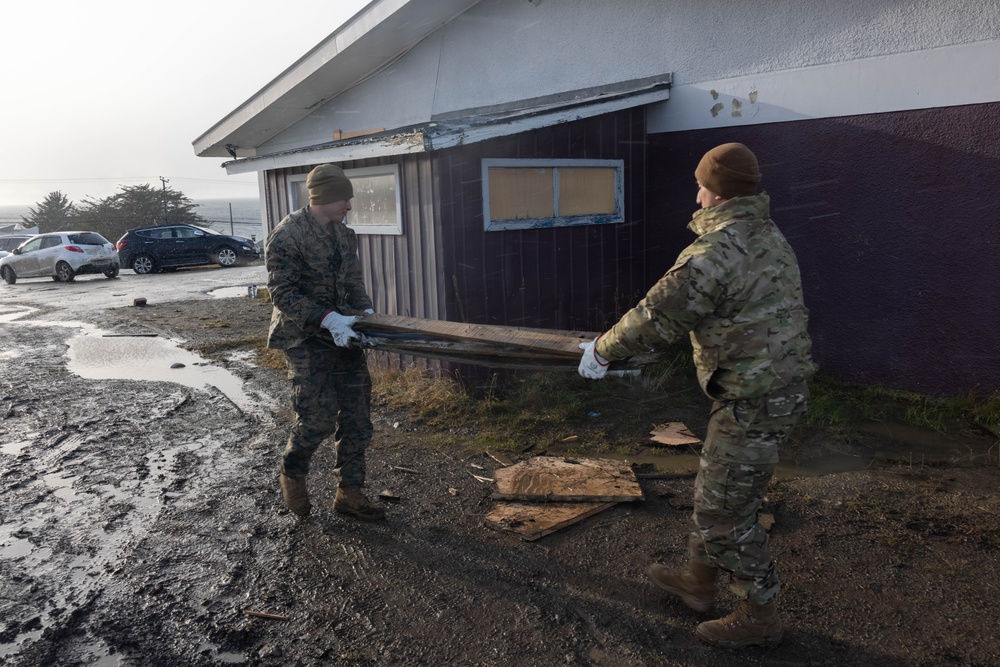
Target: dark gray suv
x=149 y=249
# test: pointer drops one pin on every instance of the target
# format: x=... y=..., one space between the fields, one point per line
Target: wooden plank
x=534 y=520
x=551 y=341
x=487 y=345
x=557 y=479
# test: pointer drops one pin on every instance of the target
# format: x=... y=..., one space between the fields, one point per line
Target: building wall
x=894 y=222
x=501 y=51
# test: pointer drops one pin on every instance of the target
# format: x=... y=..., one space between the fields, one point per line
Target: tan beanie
x=729 y=170
x=327 y=183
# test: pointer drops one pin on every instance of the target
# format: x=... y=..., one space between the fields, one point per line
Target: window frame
x=491 y=225
x=379 y=170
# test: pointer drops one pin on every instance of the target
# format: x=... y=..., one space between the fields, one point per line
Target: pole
x=231 y=231
x=164 y=199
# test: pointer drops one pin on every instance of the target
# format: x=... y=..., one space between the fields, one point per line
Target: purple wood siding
x=555 y=278
x=894 y=218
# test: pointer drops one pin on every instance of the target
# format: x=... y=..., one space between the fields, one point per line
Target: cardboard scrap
x=557 y=479
x=673 y=433
x=534 y=520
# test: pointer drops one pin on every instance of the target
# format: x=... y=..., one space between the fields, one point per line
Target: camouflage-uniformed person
x=737 y=292
x=314 y=277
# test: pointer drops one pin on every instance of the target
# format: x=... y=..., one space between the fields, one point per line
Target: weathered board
x=538 y=340
x=557 y=479
x=534 y=520
x=481 y=344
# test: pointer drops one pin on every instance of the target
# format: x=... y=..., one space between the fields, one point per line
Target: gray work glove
x=339 y=327
x=592 y=366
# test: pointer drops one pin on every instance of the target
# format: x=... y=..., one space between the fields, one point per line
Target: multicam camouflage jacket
x=312 y=269
x=738 y=292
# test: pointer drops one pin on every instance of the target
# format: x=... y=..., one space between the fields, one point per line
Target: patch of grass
x=840 y=404
x=542 y=410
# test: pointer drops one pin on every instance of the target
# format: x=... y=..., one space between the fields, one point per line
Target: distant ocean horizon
x=239 y=216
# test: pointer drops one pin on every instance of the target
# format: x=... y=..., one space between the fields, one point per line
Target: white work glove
x=369 y=311
x=592 y=365
x=339 y=327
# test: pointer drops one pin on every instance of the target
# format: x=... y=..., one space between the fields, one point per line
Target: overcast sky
x=97 y=94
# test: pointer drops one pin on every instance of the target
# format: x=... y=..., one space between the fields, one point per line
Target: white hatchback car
x=61 y=255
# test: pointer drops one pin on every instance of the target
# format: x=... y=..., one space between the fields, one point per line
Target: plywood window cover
x=513 y=209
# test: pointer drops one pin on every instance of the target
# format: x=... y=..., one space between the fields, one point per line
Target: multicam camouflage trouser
x=737 y=461
x=331 y=395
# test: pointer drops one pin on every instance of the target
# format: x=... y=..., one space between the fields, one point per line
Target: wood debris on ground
x=482 y=344
x=673 y=433
x=544 y=494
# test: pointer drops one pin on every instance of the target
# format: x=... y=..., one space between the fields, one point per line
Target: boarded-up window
x=518 y=193
x=524 y=194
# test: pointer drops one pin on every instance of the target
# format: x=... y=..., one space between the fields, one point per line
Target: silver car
x=61 y=256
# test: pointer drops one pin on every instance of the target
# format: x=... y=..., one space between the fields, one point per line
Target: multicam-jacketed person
x=737 y=292
x=314 y=277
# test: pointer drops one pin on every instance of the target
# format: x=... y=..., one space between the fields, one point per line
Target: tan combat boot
x=695 y=584
x=749 y=625
x=351 y=500
x=296 y=496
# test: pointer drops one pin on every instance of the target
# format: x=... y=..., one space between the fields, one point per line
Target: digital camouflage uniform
x=738 y=293
x=313 y=268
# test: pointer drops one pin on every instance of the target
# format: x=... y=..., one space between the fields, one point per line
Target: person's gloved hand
x=339 y=327
x=592 y=365
x=369 y=311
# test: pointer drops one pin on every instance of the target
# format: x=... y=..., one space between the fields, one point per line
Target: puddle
x=97 y=355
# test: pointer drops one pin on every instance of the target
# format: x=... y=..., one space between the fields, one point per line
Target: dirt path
x=140 y=522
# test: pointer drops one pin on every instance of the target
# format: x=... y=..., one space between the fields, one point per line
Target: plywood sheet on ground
x=534 y=520
x=557 y=479
x=673 y=433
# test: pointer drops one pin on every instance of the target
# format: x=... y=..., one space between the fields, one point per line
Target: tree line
x=132 y=206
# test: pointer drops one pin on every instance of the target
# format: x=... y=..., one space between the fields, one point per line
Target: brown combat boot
x=351 y=500
x=749 y=625
x=695 y=584
x=296 y=496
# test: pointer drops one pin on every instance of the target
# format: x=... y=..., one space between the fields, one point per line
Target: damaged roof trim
x=482 y=125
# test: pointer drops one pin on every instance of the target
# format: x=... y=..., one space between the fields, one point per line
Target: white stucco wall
x=761 y=53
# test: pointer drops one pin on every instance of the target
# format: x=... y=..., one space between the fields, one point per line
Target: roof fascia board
x=471 y=135
x=438 y=136
x=414 y=143
x=630 y=87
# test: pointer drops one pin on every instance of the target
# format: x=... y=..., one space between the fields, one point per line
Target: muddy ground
x=140 y=522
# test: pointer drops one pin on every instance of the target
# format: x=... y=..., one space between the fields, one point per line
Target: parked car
x=62 y=255
x=11 y=241
x=149 y=249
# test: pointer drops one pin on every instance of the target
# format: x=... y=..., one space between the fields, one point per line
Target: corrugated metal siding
x=557 y=278
x=401 y=272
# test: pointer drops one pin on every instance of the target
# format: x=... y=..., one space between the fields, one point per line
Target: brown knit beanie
x=327 y=183
x=729 y=170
